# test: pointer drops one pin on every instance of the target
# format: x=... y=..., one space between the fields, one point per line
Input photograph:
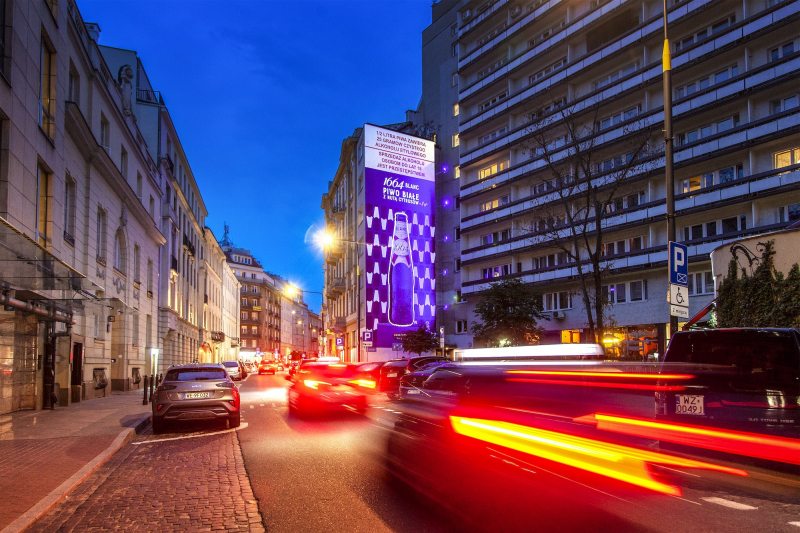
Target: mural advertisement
x=399 y=214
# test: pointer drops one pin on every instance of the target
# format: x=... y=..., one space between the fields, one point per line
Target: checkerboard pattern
x=379 y=231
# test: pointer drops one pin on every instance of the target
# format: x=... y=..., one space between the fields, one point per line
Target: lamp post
x=668 y=150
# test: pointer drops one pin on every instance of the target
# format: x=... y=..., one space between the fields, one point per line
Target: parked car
x=744 y=379
x=267 y=367
x=412 y=382
x=322 y=387
x=233 y=369
x=243 y=369
x=195 y=392
x=250 y=366
x=367 y=377
x=393 y=370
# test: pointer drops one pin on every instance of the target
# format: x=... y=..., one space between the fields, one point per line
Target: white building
x=79 y=197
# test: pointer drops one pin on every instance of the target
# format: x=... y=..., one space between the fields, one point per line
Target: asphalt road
x=321 y=474
x=326 y=475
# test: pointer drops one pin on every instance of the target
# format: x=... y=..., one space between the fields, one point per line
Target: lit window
x=455 y=140
x=455 y=110
x=47 y=89
x=457 y=172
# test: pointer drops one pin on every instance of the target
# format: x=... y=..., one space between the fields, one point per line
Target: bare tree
x=582 y=169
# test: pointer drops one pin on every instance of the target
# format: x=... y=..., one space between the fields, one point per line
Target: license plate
x=686 y=404
x=413 y=392
x=392 y=375
x=190 y=395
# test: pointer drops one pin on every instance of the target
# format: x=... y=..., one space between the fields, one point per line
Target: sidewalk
x=45 y=454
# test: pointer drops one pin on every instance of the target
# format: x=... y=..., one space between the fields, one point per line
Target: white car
x=232 y=368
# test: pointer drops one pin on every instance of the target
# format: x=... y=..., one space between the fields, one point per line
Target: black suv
x=393 y=370
x=746 y=379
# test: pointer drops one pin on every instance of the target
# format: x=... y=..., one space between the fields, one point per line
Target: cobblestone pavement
x=194 y=482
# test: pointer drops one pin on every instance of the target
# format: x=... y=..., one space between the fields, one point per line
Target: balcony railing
x=339 y=210
x=187 y=244
x=148 y=95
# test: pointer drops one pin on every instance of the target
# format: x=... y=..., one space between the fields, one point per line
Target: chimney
x=93 y=29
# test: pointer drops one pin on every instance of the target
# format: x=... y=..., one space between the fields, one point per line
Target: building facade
x=220 y=304
x=79 y=198
x=534 y=78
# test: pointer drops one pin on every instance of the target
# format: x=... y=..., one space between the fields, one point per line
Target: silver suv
x=234 y=369
x=196 y=392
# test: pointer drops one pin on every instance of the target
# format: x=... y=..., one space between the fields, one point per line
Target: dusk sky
x=263 y=93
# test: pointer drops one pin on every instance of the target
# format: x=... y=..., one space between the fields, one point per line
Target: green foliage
x=765 y=299
x=420 y=340
x=508 y=314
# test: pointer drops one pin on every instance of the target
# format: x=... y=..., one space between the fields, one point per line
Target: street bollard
x=160 y=377
x=144 y=401
x=152 y=387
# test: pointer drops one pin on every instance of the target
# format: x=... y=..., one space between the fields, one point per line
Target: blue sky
x=263 y=92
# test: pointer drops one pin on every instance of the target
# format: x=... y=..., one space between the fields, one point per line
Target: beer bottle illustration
x=401 y=274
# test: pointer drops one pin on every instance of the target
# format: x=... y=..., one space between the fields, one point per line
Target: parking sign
x=678 y=264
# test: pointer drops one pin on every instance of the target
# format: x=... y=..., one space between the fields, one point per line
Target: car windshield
x=767 y=356
x=195 y=374
x=231 y=364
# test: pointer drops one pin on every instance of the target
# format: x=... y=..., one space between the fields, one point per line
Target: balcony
x=149 y=96
x=188 y=246
x=217 y=336
x=338 y=211
x=337 y=285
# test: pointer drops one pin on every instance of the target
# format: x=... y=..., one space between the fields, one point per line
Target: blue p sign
x=678 y=264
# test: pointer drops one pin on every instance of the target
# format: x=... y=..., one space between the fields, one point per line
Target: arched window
x=120 y=255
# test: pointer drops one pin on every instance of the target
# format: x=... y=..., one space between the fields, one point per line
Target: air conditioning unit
x=558 y=314
x=467 y=14
x=516 y=11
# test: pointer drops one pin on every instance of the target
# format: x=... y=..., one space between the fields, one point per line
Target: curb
x=34 y=513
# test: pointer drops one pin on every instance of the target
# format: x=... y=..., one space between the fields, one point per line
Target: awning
x=26 y=265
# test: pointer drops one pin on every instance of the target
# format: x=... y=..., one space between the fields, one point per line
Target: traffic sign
x=678 y=311
x=678 y=295
x=678 y=264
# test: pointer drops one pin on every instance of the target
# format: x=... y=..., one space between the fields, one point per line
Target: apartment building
x=78 y=199
x=540 y=81
x=260 y=304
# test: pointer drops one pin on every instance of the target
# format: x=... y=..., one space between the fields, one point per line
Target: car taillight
x=311 y=384
x=162 y=388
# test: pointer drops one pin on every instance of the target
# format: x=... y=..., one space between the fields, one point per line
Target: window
x=47 y=88
x=497 y=202
x=457 y=172
x=254 y=330
x=453 y=30
x=455 y=140
x=454 y=81
x=701 y=283
x=457 y=297
x=783 y=104
x=136 y=262
x=619 y=117
x=496 y=272
x=708 y=179
x=557 y=301
x=454 y=50
x=546 y=34
x=457 y=232
x=705 y=33
x=245 y=316
x=150 y=277
x=254 y=301
x=74 y=81
x=101 y=233
x=139 y=186
x=497 y=236
x=42 y=205
x=492 y=101
x=547 y=70
x=491 y=68
x=456 y=203
x=152 y=208
x=637 y=243
x=244 y=330
x=461 y=326
x=494 y=135
x=135 y=329
x=615 y=162
x=457 y=267
x=781 y=51
x=69 y=210
x=105 y=132
x=253 y=315
x=787 y=158
x=708 y=130
x=620 y=293
x=123 y=163
x=493 y=169
x=789 y=213
x=455 y=110
x=616 y=75
x=119 y=251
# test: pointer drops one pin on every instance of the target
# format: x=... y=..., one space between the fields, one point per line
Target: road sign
x=397 y=346
x=678 y=311
x=441 y=337
x=678 y=295
x=366 y=335
x=678 y=264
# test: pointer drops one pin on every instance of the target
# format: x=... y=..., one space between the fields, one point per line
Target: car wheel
x=158 y=426
x=235 y=420
x=392 y=395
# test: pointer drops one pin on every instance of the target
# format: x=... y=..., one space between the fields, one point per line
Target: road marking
x=676 y=470
x=261 y=405
x=684 y=499
x=794 y=524
x=728 y=503
x=252 y=407
x=242 y=426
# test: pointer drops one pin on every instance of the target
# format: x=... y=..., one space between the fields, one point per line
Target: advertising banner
x=399 y=214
